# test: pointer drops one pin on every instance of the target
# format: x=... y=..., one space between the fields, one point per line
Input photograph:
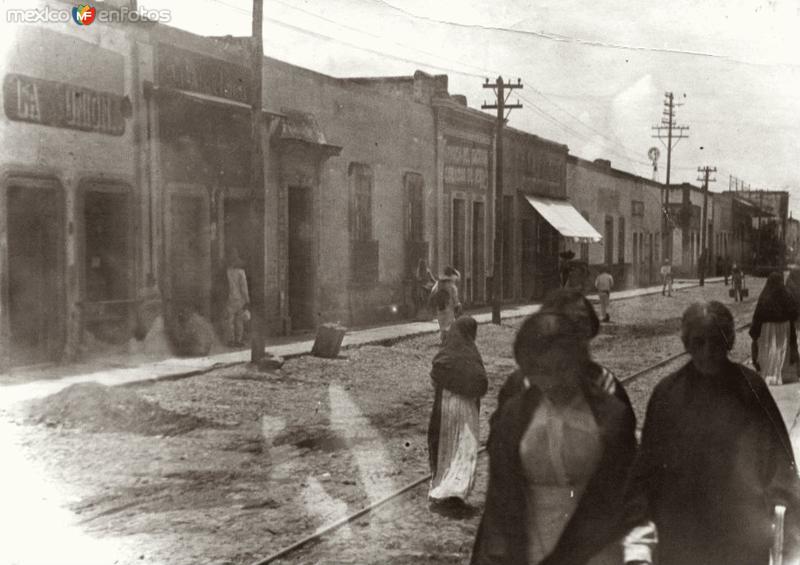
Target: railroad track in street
x=410 y=487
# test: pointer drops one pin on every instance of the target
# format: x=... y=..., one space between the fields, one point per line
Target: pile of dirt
x=94 y=407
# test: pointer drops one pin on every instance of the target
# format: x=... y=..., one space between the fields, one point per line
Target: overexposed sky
x=595 y=72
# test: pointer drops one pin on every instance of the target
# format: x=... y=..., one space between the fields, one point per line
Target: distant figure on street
x=773 y=330
x=737 y=280
x=715 y=457
x=666 y=277
x=237 y=307
x=424 y=282
x=459 y=379
x=444 y=299
x=559 y=456
x=720 y=268
x=604 y=283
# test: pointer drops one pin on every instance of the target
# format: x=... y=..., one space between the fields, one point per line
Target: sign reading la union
x=62 y=105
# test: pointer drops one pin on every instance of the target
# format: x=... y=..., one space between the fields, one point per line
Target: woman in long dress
x=459 y=379
x=559 y=457
x=773 y=330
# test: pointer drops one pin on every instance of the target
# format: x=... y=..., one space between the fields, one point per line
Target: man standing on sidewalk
x=604 y=283
x=666 y=277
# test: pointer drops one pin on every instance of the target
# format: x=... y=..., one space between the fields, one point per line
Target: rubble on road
x=93 y=407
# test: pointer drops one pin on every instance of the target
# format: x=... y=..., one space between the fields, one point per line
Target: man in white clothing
x=604 y=283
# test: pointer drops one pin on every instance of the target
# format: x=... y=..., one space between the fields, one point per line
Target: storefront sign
x=62 y=105
x=465 y=165
x=186 y=70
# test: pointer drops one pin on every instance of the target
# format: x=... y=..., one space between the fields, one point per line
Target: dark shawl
x=457 y=367
x=715 y=459
x=793 y=287
x=775 y=304
x=598 y=518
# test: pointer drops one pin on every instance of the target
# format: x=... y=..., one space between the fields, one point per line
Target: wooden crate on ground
x=328 y=341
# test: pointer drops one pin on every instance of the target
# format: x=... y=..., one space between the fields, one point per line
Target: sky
x=594 y=72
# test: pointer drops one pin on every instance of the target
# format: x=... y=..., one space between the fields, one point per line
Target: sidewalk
x=788 y=399
x=183 y=367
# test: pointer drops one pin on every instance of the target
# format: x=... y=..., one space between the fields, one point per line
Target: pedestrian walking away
x=604 y=283
x=773 y=330
x=715 y=459
x=237 y=307
x=737 y=282
x=459 y=379
x=559 y=455
x=444 y=299
x=666 y=278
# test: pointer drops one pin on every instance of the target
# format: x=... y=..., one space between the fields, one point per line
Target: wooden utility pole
x=257 y=306
x=668 y=124
x=501 y=106
x=704 y=221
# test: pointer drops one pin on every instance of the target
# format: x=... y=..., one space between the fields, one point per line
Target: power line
x=541 y=111
x=580 y=41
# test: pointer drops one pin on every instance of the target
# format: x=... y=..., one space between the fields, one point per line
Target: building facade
x=72 y=190
x=626 y=210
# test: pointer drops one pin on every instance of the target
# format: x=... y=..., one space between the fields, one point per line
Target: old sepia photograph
x=399 y=282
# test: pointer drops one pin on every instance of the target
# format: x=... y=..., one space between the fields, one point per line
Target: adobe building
x=534 y=205
x=735 y=221
x=464 y=208
x=626 y=210
x=73 y=194
x=685 y=211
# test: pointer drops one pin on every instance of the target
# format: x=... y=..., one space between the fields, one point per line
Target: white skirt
x=773 y=346
x=457 y=458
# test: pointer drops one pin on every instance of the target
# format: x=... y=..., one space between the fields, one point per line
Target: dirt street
x=231 y=466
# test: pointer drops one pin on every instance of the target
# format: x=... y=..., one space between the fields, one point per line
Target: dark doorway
x=190 y=254
x=301 y=258
x=459 y=234
x=106 y=265
x=478 y=245
x=243 y=221
x=508 y=246
x=528 y=239
x=36 y=284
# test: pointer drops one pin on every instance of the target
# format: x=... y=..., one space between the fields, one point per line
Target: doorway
x=35 y=277
x=301 y=258
x=190 y=254
x=107 y=276
x=243 y=231
x=478 y=255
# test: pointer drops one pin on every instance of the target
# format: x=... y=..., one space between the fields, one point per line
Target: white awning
x=565 y=218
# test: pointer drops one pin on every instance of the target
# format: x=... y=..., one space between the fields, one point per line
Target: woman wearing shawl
x=791 y=367
x=559 y=456
x=459 y=379
x=773 y=330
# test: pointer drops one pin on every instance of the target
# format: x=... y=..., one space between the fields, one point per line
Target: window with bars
x=415 y=207
x=361 y=202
